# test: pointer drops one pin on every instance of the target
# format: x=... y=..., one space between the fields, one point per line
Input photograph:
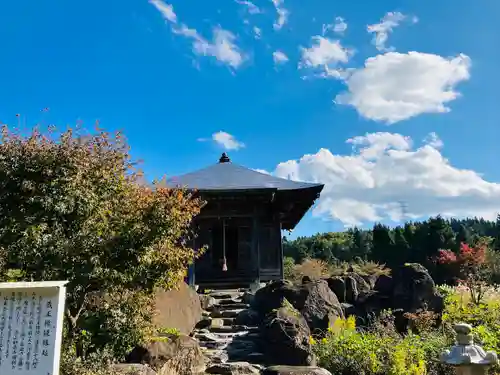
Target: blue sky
x=384 y=102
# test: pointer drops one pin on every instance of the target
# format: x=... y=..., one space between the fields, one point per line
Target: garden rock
x=414 y=289
x=285 y=338
x=233 y=368
x=314 y=299
x=361 y=284
x=172 y=353
x=351 y=289
x=320 y=307
x=179 y=308
x=248 y=317
x=271 y=296
x=370 y=280
x=295 y=370
x=337 y=286
x=206 y=301
x=132 y=369
x=384 y=285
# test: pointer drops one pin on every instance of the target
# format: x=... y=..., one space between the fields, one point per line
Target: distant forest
x=413 y=242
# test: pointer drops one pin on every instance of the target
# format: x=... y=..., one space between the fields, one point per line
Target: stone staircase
x=227 y=345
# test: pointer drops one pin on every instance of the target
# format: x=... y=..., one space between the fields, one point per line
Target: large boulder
x=337 y=286
x=247 y=317
x=414 y=289
x=320 y=307
x=384 y=285
x=179 y=308
x=286 y=338
x=271 y=297
x=172 y=355
x=361 y=284
x=314 y=300
x=371 y=280
x=351 y=290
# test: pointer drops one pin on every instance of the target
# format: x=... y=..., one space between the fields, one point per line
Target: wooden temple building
x=241 y=224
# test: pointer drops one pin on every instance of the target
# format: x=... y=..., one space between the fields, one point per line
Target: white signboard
x=31 y=320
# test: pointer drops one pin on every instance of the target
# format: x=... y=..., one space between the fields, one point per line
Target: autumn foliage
x=74 y=206
x=471 y=266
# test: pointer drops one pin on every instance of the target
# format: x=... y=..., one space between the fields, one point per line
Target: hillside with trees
x=413 y=242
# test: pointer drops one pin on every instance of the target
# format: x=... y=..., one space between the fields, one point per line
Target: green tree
x=74 y=207
x=439 y=236
x=464 y=235
x=402 y=248
x=383 y=245
x=361 y=242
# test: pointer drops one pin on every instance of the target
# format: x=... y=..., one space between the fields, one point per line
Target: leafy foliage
x=413 y=242
x=348 y=351
x=471 y=266
x=317 y=269
x=74 y=207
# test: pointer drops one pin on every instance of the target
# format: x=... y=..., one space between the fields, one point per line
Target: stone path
x=229 y=347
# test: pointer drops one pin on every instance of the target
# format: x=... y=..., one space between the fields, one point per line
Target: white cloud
x=397 y=86
x=338 y=27
x=325 y=54
x=227 y=141
x=382 y=30
x=433 y=140
x=279 y=57
x=251 y=7
x=165 y=9
x=385 y=170
x=257 y=32
x=222 y=46
x=282 y=14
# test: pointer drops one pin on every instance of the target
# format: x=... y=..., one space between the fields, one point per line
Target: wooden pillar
x=224 y=258
x=255 y=246
x=282 y=270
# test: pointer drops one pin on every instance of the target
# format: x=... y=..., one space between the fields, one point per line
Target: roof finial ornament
x=224 y=158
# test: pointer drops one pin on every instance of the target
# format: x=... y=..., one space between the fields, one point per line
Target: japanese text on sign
x=30 y=327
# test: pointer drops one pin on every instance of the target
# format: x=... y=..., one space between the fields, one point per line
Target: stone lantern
x=465 y=356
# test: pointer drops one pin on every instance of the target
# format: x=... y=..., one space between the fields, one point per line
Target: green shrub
x=288 y=268
x=169 y=331
x=484 y=317
x=313 y=268
x=361 y=267
x=348 y=351
x=74 y=207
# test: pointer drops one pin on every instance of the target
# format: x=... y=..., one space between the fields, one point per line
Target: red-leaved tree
x=470 y=265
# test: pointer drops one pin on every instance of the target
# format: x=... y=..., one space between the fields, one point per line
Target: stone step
x=228 y=329
x=251 y=355
x=229 y=301
x=204 y=337
x=229 y=306
x=215 y=356
x=225 y=313
x=229 y=368
x=226 y=294
x=256 y=357
x=214 y=345
x=228 y=321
